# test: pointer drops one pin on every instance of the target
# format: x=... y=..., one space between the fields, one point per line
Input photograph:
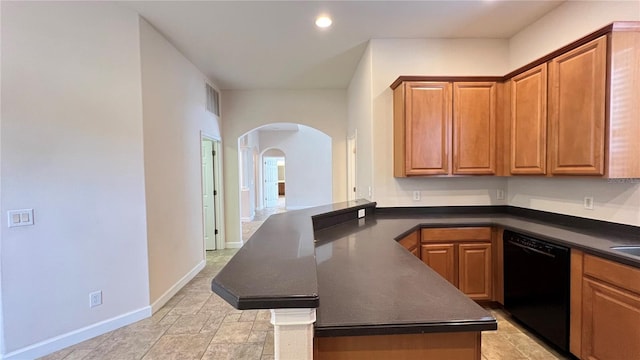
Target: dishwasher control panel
x=530 y=243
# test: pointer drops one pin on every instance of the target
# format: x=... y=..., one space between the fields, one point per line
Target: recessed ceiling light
x=323 y=21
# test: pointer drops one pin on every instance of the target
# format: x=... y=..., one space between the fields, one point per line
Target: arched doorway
x=304 y=151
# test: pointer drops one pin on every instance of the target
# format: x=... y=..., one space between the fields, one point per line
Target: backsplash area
x=615 y=200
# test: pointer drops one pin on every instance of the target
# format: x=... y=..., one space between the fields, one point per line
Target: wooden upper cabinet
x=572 y=112
x=577 y=89
x=623 y=152
x=422 y=128
x=474 y=128
x=528 y=155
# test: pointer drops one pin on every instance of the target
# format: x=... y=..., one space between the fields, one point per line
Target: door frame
x=218 y=199
x=352 y=170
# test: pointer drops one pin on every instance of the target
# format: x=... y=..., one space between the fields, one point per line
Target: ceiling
x=275 y=44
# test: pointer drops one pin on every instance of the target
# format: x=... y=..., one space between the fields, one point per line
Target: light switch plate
x=21 y=217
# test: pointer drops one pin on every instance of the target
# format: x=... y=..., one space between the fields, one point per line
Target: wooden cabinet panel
x=529 y=122
x=610 y=322
x=605 y=308
x=455 y=234
x=474 y=268
x=623 y=148
x=463 y=256
x=577 y=89
x=575 y=307
x=617 y=274
x=411 y=242
x=474 y=128
x=498 y=265
x=449 y=346
x=422 y=128
x=441 y=258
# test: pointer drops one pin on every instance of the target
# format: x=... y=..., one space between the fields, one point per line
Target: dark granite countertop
x=276 y=268
x=371 y=285
x=364 y=283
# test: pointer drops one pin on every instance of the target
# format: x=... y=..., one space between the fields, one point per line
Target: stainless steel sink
x=631 y=250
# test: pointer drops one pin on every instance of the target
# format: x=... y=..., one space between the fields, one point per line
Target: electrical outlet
x=361 y=213
x=95 y=299
x=416 y=196
x=588 y=202
x=500 y=194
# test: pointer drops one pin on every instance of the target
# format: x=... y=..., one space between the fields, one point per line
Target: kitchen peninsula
x=365 y=287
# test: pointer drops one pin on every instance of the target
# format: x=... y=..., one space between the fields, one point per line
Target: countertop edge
x=397 y=329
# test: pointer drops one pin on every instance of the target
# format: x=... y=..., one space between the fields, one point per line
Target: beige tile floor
x=197 y=324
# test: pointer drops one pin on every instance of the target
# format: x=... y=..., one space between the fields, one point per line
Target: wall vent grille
x=213 y=100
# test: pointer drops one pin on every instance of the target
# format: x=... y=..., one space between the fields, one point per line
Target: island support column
x=293 y=333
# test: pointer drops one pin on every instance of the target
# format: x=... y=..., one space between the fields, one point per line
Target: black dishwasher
x=536 y=286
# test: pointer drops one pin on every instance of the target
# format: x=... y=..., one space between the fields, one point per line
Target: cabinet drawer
x=410 y=241
x=456 y=234
x=624 y=276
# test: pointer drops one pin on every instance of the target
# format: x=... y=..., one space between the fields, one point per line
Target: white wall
x=360 y=123
x=71 y=150
x=308 y=164
x=455 y=57
x=245 y=110
x=565 y=24
x=174 y=113
x=613 y=201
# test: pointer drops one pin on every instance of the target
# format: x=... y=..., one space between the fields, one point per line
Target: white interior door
x=270 y=177
x=208 y=204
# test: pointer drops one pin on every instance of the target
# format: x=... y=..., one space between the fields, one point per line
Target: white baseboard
x=77 y=336
x=164 y=298
x=233 y=245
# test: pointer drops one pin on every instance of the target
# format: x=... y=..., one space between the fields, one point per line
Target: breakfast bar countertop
x=362 y=282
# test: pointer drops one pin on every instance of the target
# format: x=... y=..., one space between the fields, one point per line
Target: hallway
x=249 y=227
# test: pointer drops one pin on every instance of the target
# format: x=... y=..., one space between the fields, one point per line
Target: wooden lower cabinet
x=610 y=322
x=442 y=259
x=605 y=308
x=463 y=256
x=411 y=242
x=474 y=270
x=434 y=346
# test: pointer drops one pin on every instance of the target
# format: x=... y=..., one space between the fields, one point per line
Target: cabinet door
x=474 y=128
x=610 y=322
x=474 y=266
x=441 y=258
x=427 y=128
x=577 y=86
x=529 y=122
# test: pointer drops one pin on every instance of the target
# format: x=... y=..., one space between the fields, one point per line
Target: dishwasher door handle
x=531 y=249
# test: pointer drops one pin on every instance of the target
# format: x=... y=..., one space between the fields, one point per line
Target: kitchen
x=142 y=223
x=404 y=166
